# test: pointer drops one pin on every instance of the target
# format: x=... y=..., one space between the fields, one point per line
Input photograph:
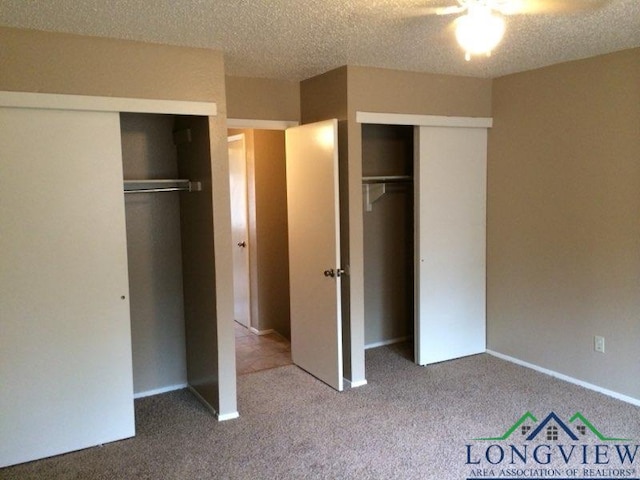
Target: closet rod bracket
x=372 y=193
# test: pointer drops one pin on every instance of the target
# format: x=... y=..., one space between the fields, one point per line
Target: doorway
x=261 y=276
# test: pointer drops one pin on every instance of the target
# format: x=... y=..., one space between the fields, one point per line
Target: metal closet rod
x=176 y=185
x=388 y=179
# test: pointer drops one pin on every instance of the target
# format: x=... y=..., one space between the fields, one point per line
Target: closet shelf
x=387 y=179
x=161 y=185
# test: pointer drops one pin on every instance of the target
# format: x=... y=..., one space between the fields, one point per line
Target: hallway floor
x=260 y=352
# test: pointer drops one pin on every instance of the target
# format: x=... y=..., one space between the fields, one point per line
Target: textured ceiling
x=297 y=39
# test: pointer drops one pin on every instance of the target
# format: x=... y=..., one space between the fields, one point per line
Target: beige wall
x=263 y=99
x=324 y=96
x=563 y=227
x=268 y=234
x=271 y=216
x=35 y=61
x=395 y=91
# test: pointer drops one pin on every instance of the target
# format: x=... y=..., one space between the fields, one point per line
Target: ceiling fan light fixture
x=479 y=31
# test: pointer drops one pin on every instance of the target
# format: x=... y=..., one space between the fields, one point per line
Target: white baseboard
x=228 y=416
x=349 y=384
x=158 y=391
x=567 y=378
x=386 y=342
x=220 y=416
x=261 y=332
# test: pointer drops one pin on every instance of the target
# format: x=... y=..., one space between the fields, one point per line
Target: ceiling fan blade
x=542 y=7
x=423 y=11
x=449 y=10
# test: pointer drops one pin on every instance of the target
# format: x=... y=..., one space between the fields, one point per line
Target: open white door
x=314 y=250
x=65 y=335
x=239 y=228
x=450 y=182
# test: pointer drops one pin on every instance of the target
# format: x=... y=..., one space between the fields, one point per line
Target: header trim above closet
x=52 y=101
x=423 y=120
x=248 y=123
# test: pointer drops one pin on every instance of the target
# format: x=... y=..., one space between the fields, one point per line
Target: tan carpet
x=409 y=422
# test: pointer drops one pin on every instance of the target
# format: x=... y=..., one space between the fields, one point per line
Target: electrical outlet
x=598 y=344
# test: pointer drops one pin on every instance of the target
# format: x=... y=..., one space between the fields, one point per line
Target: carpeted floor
x=409 y=422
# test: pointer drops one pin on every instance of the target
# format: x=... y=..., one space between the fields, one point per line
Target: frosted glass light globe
x=479 y=31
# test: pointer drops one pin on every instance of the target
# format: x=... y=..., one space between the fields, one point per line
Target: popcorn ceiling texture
x=297 y=39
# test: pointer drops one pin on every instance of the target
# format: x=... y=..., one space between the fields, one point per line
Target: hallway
x=260 y=352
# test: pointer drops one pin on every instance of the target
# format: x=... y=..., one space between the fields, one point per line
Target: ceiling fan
x=482 y=25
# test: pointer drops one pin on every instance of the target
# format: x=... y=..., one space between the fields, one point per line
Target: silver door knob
x=242 y=244
x=334 y=273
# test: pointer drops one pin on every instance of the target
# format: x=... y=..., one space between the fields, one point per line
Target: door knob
x=242 y=244
x=334 y=273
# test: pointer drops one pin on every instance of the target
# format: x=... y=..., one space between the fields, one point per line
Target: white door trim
x=54 y=101
x=423 y=120
x=260 y=124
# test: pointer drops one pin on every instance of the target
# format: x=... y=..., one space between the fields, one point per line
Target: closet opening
x=165 y=163
x=388 y=223
x=154 y=252
x=257 y=166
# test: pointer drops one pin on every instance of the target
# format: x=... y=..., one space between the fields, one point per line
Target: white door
x=450 y=253
x=314 y=250
x=239 y=228
x=65 y=334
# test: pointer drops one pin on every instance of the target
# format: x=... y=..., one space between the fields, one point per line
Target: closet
x=388 y=229
x=154 y=251
x=65 y=308
x=424 y=230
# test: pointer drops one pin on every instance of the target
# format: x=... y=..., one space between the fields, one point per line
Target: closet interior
x=388 y=196
x=152 y=186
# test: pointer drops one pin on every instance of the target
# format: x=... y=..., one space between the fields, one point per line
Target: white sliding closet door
x=450 y=248
x=65 y=339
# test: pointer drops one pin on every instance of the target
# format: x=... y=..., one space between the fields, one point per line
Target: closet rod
x=160 y=185
x=155 y=190
x=388 y=179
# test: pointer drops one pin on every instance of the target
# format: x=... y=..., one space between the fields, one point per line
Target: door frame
x=255 y=124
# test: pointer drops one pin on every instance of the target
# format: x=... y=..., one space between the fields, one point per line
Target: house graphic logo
x=551 y=425
x=553 y=447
